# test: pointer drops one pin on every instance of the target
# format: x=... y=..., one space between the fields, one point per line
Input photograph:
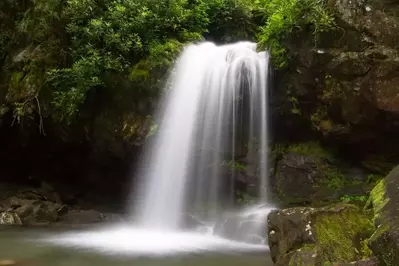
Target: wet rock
x=367 y=262
x=306 y=255
x=9 y=218
x=35 y=211
x=309 y=236
x=298 y=177
x=248 y=228
x=305 y=176
x=345 y=87
x=385 y=200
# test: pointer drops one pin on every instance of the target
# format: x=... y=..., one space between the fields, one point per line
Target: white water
x=215 y=111
x=126 y=240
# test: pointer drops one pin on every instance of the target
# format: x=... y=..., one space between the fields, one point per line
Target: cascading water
x=214 y=115
x=215 y=111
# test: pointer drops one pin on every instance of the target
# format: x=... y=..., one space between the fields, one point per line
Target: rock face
x=385 y=199
x=322 y=236
x=42 y=206
x=367 y=262
x=305 y=175
x=299 y=178
x=345 y=84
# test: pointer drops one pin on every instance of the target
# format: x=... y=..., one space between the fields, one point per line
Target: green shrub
x=285 y=16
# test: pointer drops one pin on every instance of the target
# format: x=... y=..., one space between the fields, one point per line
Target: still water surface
x=23 y=246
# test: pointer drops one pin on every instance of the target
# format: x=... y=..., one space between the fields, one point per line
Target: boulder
x=9 y=218
x=35 y=211
x=305 y=175
x=367 y=262
x=385 y=200
x=298 y=178
x=318 y=236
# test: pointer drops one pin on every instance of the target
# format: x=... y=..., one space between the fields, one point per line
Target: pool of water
x=121 y=246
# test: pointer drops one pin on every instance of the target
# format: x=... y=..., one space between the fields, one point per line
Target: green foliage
x=232 y=20
x=244 y=199
x=333 y=177
x=348 y=198
x=116 y=36
x=235 y=166
x=84 y=51
x=39 y=19
x=374 y=178
x=310 y=148
x=277 y=151
x=283 y=17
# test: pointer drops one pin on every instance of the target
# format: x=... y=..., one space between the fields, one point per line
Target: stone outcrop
x=319 y=236
x=306 y=175
x=367 y=262
x=345 y=84
x=385 y=199
x=29 y=206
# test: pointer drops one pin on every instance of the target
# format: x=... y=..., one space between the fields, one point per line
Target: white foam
x=147 y=242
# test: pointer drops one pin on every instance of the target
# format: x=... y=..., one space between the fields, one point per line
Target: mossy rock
x=385 y=200
x=307 y=174
x=341 y=237
x=373 y=261
x=319 y=236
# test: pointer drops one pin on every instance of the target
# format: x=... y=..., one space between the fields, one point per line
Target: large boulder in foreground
x=385 y=199
x=319 y=236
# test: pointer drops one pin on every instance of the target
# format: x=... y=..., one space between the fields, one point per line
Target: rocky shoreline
x=42 y=206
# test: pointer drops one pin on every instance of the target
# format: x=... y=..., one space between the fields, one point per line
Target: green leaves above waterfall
x=285 y=16
x=62 y=59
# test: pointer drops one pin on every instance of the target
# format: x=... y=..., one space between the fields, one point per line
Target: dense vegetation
x=90 y=63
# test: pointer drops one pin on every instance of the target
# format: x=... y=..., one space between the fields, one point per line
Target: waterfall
x=214 y=115
x=214 y=111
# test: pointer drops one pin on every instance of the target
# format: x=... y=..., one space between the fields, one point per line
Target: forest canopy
x=62 y=59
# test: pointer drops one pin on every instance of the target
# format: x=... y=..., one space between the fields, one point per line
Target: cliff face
x=344 y=85
x=343 y=90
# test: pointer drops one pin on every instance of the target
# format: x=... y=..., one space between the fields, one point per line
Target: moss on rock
x=311 y=148
x=340 y=237
x=385 y=240
x=307 y=174
x=378 y=199
x=321 y=236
